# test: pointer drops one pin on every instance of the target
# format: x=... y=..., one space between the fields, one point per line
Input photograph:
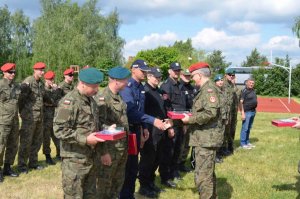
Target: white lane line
x=284 y=105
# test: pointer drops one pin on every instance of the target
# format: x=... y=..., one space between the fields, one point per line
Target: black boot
x=49 y=159
x=1 y=176
x=7 y=171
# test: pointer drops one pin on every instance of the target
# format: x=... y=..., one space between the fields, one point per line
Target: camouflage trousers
x=31 y=134
x=205 y=177
x=110 y=179
x=9 y=140
x=78 y=178
x=48 y=134
x=229 y=133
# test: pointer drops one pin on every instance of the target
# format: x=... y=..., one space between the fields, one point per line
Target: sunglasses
x=70 y=75
x=232 y=75
x=12 y=72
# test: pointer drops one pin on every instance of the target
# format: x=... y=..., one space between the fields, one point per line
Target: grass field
x=268 y=171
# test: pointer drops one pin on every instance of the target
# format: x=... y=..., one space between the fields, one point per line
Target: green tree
x=68 y=34
x=296 y=27
x=255 y=59
x=5 y=39
x=160 y=57
x=217 y=62
x=21 y=43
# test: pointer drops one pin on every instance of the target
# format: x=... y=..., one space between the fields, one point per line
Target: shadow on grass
x=289 y=187
x=224 y=189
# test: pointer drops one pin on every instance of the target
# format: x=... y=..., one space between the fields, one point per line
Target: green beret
x=230 y=71
x=218 y=77
x=90 y=76
x=119 y=72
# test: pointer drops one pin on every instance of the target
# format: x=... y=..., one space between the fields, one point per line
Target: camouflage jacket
x=66 y=87
x=9 y=96
x=112 y=110
x=205 y=129
x=49 y=107
x=31 y=99
x=223 y=106
x=75 y=118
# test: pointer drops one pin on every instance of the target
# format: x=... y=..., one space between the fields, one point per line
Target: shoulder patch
x=209 y=90
x=67 y=102
x=212 y=99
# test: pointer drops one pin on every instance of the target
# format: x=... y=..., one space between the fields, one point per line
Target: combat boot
x=1 y=176
x=49 y=159
x=7 y=171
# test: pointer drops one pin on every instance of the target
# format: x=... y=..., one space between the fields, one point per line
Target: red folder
x=132 y=144
x=112 y=136
x=177 y=115
x=283 y=122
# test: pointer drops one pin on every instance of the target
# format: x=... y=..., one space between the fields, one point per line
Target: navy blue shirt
x=134 y=96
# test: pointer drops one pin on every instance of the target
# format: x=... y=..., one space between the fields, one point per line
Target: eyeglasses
x=231 y=75
x=70 y=75
x=12 y=72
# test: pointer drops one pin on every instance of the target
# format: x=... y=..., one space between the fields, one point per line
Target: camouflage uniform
x=49 y=109
x=31 y=132
x=111 y=178
x=66 y=87
x=206 y=136
x=75 y=118
x=231 y=124
x=9 y=120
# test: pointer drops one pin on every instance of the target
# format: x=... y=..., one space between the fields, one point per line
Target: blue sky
x=234 y=26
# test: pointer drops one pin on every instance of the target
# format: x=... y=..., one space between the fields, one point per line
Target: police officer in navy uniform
x=134 y=96
x=190 y=92
x=177 y=102
x=152 y=154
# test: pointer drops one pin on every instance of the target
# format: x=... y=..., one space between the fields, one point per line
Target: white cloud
x=282 y=43
x=209 y=38
x=245 y=27
x=149 y=42
x=215 y=11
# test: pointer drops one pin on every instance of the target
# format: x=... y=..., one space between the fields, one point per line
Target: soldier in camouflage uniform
x=9 y=120
x=110 y=177
x=231 y=98
x=75 y=124
x=49 y=108
x=205 y=131
x=219 y=81
x=31 y=110
x=67 y=84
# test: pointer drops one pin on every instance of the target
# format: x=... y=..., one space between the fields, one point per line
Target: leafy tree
x=255 y=59
x=217 y=62
x=21 y=43
x=160 y=57
x=5 y=38
x=296 y=27
x=67 y=34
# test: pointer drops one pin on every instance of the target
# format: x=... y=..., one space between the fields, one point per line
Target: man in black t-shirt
x=248 y=104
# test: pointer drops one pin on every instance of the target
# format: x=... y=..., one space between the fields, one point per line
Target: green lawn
x=268 y=171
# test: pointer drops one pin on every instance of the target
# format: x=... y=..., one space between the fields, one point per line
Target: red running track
x=277 y=105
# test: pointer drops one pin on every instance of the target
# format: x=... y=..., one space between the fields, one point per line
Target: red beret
x=69 y=71
x=8 y=66
x=49 y=75
x=197 y=66
x=39 y=65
